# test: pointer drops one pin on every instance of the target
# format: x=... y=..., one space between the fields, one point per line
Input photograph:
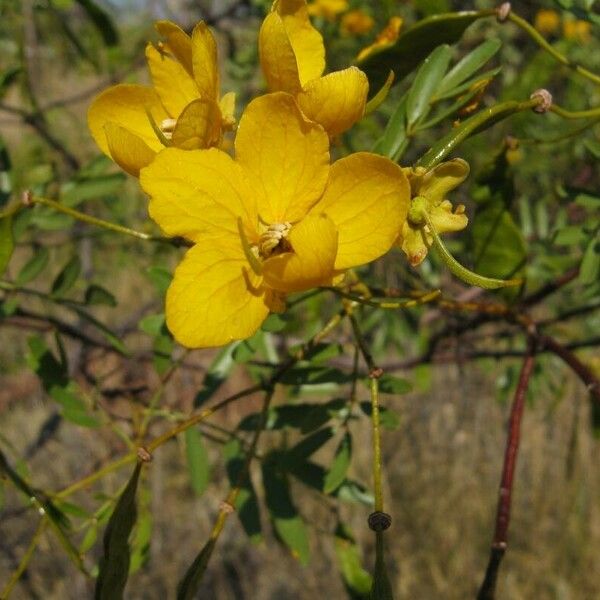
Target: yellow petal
x=197 y=193
x=174 y=86
x=367 y=197
x=306 y=41
x=130 y=152
x=204 y=53
x=125 y=105
x=413 y=244
x=199 y=125
x=445 y=221
x=277 y=58
x=177 y=42
x=443 y=179
x=286 y=156
x=336 y=101
x=314 y=241
x=213 y=298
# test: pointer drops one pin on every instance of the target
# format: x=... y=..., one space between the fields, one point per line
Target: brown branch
x=499 y=543
x=550 y=287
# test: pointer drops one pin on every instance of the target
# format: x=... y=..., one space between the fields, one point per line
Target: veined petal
x=198 y=126
x=173 y=84
x=306 y=41
x=198 y=194
x=125 y=105
x=286 y=156
x=314 y=241
x=336 y=101
x=177 y=42
x=443 y=179
x=204 y=55
x=367 y=197
x=214 y=298
x=277 y=58
x=129 y=151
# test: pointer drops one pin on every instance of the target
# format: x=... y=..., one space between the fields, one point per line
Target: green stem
x=575 y=114
x=99 y=222
x=387 y=303
x=539 y=39
x=462 y=272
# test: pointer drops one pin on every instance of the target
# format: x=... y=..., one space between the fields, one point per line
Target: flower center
x=273 y=240
x=167 y=127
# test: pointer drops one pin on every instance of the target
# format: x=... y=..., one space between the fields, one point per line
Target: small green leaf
x=114 y=564
x=7 y=243
x=103 y=23
x=67 y=277
x=197 y=460
x=309 y=445
x=108 y=334
x=388 y=418
x=339 y=467
x=96 y=294
x=389 y=384
x=589 y=271
x=188 y=586
x=152 y=324
x=357 y=580
x=78 y=190
x=34 y=266
x=217 y=374
x=314 y=376
x=426 y=81
x=468 y=65
x=393 y=141
x=160 y=277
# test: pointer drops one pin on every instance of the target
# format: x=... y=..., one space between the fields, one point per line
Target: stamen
x=167 y=127
x=274 y=239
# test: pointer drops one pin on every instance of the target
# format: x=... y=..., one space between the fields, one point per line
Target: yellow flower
x=547 y=21
x=276 y=219
x=292 y=56
x=328 y=9
x=131 y=123
x=388 y=35
x=428 y=189
x=577 y=30
x=356 y=22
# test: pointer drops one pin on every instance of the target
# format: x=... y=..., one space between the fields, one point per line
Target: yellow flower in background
x=388 y=35
x=292 y=57
x=328 y=9
x=356 y=22
x=547 y=21
x=131 y=123
x=580 y=31
x=428 y=190
x=276 y=219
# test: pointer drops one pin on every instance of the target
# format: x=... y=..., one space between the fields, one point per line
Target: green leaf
x=107 y=333
x=356 y=579
x=388 y=418
x=589 y=271
x=114 y=564
x=74 y=408
x=288 y=524
x=52 y=373
x=468 y=65
x=428 y=77
x=417 y=42
x=34 y=266
x=7 y=243
x=142 y=533
x=389 y=384
x=309 y=445
x=188 y=586
x=197 y=460
x=469 y=88
x=96 y=294
x=77 y=191
x=152 y=324
x=393 y=141
x=246 y=504
x=8 y=77
x=339 y=467
x=103 y=23
x=66 y=278
x=217 y=374
x=160 y=277
x=314 y=376
x=89 y=539
x=274 y=323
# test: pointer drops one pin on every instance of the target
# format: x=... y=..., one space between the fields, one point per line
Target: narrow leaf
x=101 y=21
x=96 y=294
x=67 y=277
x=7 y=243
x=188 y=586
x=34 y=266
x=197 y=460
x=339 y=467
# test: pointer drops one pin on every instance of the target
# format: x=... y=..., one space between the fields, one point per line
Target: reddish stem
x=499 y=543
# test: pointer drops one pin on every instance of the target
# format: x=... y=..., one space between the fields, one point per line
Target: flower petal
x=177 y=42
x=286 y=156
x=197 y=193
x=199 y=125
x=277 y=58
x=129 y=151
x=214 y=298
x=125 y=105
x=227 y=106
x=314 y=241
x=445 y=221
x=367 y=197
x=412 y=242
x=173 y=84
x=204 y=54
x=336 y=101
x=443 y=179
x=306 y=41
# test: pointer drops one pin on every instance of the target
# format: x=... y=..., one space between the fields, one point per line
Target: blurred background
x=90 y=311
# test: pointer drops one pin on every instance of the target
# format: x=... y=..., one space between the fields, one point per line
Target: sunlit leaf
x=339 y=466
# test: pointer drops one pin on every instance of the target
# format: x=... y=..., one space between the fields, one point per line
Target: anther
x=545 y=98
x=379 y=521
